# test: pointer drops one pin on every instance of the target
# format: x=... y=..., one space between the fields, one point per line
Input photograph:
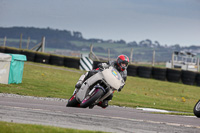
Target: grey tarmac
x=53 y=111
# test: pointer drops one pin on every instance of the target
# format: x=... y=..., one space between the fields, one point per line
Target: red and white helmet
x=122 y=59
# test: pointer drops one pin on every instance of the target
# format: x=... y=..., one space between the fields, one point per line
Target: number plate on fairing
x=116 y=74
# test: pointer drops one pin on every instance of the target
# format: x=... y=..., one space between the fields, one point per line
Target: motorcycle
x=196 y=109
x=96 y=88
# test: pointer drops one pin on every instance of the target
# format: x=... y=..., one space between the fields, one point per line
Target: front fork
x=105 y=96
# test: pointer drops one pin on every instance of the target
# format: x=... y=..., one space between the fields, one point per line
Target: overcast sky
x=166 y=21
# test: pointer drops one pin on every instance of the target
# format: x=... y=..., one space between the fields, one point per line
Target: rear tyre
x=72 y=102
x=197 y=109
x=89 y=100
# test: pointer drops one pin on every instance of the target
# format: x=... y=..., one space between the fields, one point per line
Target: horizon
x=96 y=38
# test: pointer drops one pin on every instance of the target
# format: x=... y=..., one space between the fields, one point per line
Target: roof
x=184 y=53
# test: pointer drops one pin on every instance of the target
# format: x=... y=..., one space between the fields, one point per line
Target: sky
x=166 y=21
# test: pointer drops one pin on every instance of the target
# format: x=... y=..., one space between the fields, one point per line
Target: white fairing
x=110 y=75
x=113 y=77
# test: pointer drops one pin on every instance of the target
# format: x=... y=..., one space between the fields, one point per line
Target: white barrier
x=85 y=63
x=5 y=60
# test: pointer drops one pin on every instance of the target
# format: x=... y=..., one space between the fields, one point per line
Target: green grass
x=7 y=127
x=138 y=92
x=17 y=40
x=104 y=45
x=156 y=65
x=43 y=82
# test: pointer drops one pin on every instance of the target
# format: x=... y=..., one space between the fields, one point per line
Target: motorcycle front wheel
x=197 y=109
x=89 y=100
x=72 y=102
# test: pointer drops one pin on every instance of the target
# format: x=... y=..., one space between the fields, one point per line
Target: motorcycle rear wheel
x=91 y=99
x=72 y=102
x=196 y=109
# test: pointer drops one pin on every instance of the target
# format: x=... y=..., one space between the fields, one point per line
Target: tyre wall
x=144 y=72
x=188 y=77
x=42 y=58
x=2 y=49
x=197 y=79
x=56 y=60
x=12 y=50
x=159 y=73
x=173 y=75
x=72 y=62
x=29 y=55
x=132 y=70
x=164 y=74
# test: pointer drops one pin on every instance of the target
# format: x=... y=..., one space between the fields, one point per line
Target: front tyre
x=89 y=100
x=72 y=102
x=197 y=109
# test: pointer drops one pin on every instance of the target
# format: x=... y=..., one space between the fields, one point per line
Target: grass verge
x=7 y=127
x=138 y=92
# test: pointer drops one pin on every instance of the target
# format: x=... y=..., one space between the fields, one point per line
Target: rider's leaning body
x=120 y=64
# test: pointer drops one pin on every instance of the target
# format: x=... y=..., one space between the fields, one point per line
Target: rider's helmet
x=122 y=62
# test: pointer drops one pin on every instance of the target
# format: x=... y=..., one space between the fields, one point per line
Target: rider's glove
x=120 y=89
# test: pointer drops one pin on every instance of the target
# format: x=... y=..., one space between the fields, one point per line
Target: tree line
x=63 y=39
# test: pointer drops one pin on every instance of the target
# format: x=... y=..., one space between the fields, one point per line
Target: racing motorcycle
x=196 y=109
x=96 y=88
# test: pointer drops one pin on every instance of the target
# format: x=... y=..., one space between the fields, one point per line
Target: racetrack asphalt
x=53 y=111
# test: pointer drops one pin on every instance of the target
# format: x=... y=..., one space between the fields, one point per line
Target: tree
x=157 y=43
x=132 y=44
x=121 y=42
x=77 y=34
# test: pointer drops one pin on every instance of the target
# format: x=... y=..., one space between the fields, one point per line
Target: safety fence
x=163 y=74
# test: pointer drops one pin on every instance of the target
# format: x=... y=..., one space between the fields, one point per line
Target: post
x=91 y=53
x=4 y=43
x=197 y=64
x=91 y=48
x=43 y=44
x=153 y=59
x=20 y=44
x=38 y=45
x=172 y=63
x=131 y=55
x=28 y=41
x=108 y=54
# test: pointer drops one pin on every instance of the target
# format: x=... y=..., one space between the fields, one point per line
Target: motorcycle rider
x=120 y=64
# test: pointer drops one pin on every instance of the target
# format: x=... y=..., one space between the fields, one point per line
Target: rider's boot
x=77 y=87
x=103 y=104
x=78 y=84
